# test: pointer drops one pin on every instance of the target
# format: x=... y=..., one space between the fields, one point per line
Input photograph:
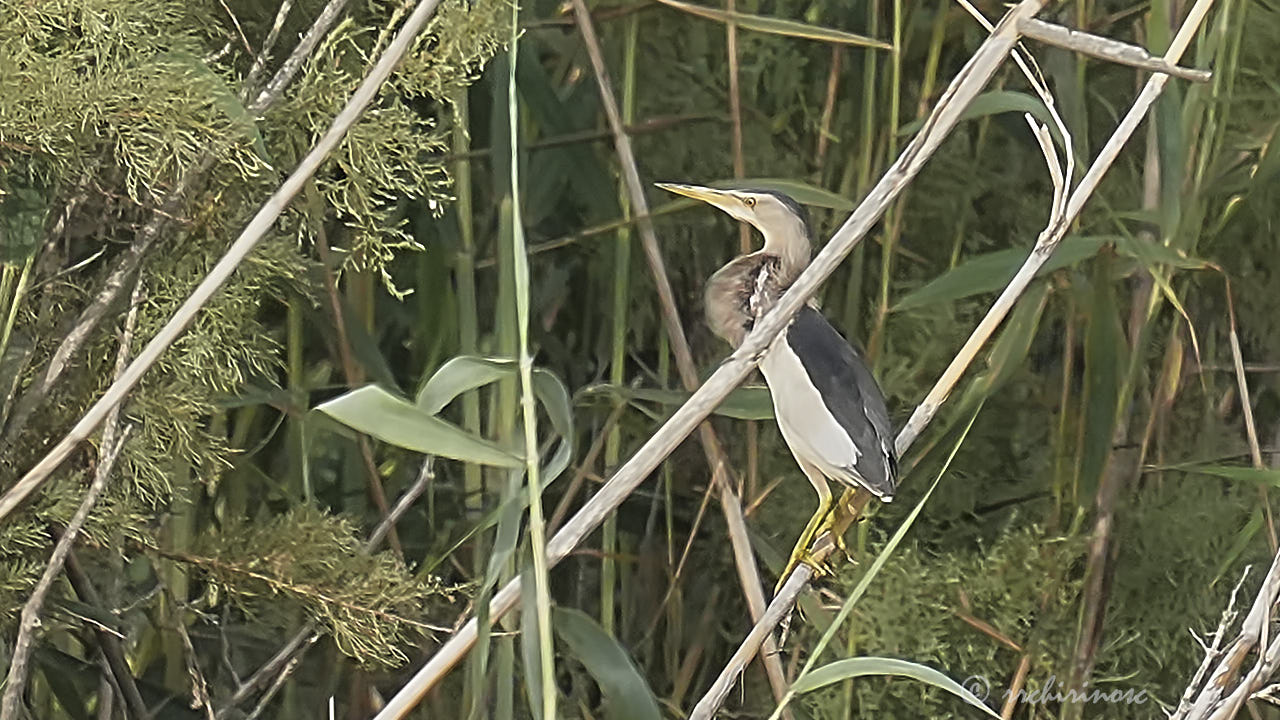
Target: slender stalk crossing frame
x=537 y=521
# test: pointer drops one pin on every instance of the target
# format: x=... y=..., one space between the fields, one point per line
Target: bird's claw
x=802 y=556
x=821 y=568
x=838 y=538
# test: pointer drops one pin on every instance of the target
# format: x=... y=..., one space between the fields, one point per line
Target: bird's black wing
x=850 y=393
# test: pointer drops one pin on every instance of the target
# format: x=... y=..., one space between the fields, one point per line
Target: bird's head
x=781 y=220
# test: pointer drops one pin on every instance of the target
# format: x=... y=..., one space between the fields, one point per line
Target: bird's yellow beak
x=719 y=198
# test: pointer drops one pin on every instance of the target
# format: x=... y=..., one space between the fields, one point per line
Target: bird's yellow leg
x=818 y=524
x=832 y=516
x=843 y=514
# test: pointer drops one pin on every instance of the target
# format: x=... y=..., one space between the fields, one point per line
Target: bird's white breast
x=806 y=423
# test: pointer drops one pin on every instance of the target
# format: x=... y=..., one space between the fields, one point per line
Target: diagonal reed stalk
x=928 y=408
x=967 y=84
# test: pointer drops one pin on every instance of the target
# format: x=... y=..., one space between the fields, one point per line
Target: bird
x=828 y=406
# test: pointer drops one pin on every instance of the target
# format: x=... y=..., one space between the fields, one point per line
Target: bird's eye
x=751 y=202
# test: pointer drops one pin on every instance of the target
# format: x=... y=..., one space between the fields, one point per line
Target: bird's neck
x=792 y=245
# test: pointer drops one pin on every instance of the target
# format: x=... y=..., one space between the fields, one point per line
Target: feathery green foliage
x=369 y=603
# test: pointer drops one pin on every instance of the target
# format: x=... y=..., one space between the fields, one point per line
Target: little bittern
x=828 y=406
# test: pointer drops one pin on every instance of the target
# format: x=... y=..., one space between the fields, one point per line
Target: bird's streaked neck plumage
x=790 y=242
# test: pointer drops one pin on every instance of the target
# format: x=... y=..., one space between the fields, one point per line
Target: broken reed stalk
x=1048 y=241
x=966 y=86
x=1211 y=694
x=239 y=250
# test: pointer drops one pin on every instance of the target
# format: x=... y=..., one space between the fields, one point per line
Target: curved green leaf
x=374 y=411
x=994 y=102
x=1010 y=350
x=1153 y=254
x=468 y=372
x=777 y=26
x=221 y=95
x=801 y=192
x=992 y=271
x=862 y=666
x=69 y=679
x=1244 y=538
x=554 y=398
x=534 y=683
x=1105 y=357
x=627 y=696
x=458 y=375
x=864 y=582
x=1237 y=473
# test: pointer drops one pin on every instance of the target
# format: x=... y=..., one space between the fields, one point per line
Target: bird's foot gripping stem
x=821 y=521
x=831 y=517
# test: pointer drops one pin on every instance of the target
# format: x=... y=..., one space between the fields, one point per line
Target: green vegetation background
x=236 y=516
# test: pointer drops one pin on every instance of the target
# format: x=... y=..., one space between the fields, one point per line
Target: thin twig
x=350 y=370
x=278 y=666
x=600 y=15
x=1246 y=409
x=1106 y=49
x=107 y=692
x=739 y=364
x=112 y=290
x=778 y=611
x=580 y=475
x=1218 y=699
x=239 y=250
x=1015 y=687
x=1207 y=694
x=112 y=648
x=260 y=60
x=239 y=30
x=426 y=474
x=829 y=105
x=275 y=88
x=735 y=114
x=16 y=682
x=703 y=633
x=271 y=691
x=1212 y=650
x=592 y=231
x=658 y=123
x=113 y=439
x=199 y=686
